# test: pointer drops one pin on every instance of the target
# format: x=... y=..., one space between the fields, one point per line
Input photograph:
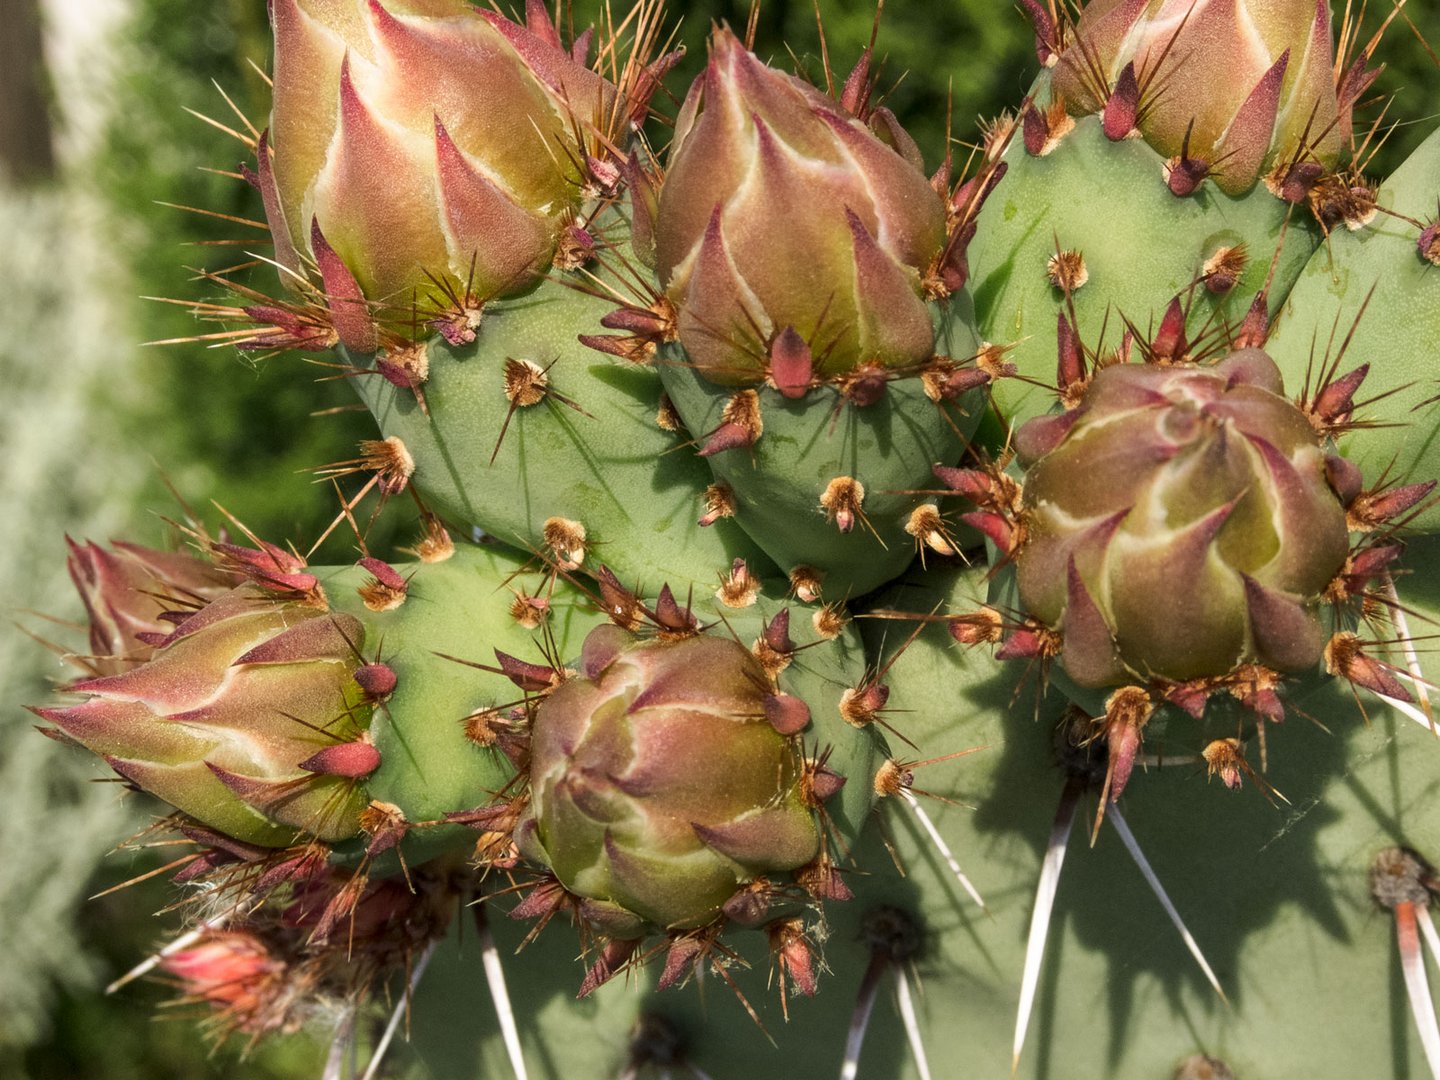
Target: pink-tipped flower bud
x=1248 y=79
x=1183 y=526
x=424 y=139
x=135 y=597
x=784 y=215
x=233 y=716
x=236 y=974
x=627 y=804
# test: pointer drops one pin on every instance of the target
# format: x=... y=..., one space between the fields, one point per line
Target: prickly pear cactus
x=1218 y=143
x=807 y=538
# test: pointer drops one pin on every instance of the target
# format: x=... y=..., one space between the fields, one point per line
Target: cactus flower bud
x=424 y=139
x=134 y=595
x=235 y=715
x=1244 y=81
x=1183 y=526
x=782 y=214
x=235 y=973
x=658 y=785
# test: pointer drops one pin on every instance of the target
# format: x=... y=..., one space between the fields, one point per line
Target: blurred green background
x=93 y=137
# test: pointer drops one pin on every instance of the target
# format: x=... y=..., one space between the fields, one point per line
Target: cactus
x=757 y=538
x=1389 y=262
x=1199 y=183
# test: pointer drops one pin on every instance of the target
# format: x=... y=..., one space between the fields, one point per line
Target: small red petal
x=788 y=715
x=352 y=760
x=1036 y=131
x=1337 y=400
x=791 y=364
x=527 y=676
x=1122 y=110
x=384 y=573
x=376 y=680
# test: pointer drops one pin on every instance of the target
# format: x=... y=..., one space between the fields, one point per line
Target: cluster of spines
x=391 y=342
x=250 y=890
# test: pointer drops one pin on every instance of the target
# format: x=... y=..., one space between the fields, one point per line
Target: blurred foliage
x=27 y=144
x=56 y=474
x=221 y=426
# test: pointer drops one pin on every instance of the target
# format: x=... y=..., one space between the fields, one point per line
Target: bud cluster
x=247 y=716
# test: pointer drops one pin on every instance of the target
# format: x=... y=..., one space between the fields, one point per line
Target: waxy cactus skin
x=807 y=539
x=575 y=451
x=1219 y=137
x=1388 y=270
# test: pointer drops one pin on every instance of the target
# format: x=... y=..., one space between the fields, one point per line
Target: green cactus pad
x=458 y=608
x=1276 y=896
x=611 y=467
x=1209 y=623
x=889 y=446
x=1398 y=333
x=1141 y=245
